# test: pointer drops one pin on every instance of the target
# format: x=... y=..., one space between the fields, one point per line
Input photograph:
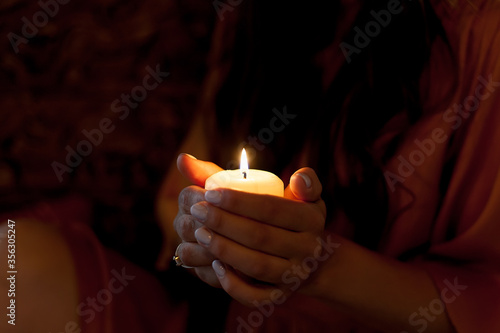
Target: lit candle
x=247 y=180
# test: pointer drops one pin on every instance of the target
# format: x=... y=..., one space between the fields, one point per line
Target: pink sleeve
x=464 y=255
x=459 y=223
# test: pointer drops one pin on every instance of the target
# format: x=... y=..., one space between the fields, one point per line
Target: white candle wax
x=256 y=181
x=253 y=181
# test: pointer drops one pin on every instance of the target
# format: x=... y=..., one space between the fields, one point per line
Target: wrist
x=323 y=265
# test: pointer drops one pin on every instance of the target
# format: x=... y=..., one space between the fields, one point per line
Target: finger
x=194 y=255
x=252 y=234
x=257 y=265
x=196 y=171
x=207 y=275
x=185 y=226
x=245 y=293
x=281 y=212
x=189 y=196
x=305 y=185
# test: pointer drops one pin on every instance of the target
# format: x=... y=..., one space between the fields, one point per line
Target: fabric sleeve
x=464 y=255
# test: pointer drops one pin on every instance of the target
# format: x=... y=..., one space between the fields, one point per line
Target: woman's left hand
x=266 y=246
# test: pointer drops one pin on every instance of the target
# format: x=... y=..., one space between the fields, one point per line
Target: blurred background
x=65 y=78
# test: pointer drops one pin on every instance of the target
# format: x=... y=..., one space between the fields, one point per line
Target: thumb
x=304 y=185
x=196 y=171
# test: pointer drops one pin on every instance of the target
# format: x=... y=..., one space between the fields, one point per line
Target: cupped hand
x=189 y=251
x=265 y=246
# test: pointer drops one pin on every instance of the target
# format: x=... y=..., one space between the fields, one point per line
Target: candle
x=253 y=181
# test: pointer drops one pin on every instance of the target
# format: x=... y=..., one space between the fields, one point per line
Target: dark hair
x=274 y=64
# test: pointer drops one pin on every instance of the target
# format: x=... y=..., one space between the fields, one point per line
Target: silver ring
x=178 y=260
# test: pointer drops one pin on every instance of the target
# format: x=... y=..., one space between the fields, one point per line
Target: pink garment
x=462 y=223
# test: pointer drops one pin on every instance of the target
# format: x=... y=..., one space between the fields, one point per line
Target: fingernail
x=190 y=156
x=306 y=179
x=219 y=268
x=213 y=196
x=203 y=236
x=199 y=211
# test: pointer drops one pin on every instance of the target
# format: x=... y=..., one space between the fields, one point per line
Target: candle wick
x=244 y=175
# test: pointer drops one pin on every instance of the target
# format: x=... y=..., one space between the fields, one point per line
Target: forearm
x=375 y=289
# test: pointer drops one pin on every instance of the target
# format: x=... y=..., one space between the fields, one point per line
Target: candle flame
x=244 y=163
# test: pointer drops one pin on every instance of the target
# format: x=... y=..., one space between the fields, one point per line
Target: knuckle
x=317 y=219
x=184 y=198
x=188 y=196
x=260 y=238
x=269 y=210
x=194 y=255
x=184 y=226
x=260 y=271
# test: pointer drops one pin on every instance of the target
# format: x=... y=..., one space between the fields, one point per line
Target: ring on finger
x=178 y=260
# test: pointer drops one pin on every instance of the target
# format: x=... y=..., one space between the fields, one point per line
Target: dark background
x=65 y=79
